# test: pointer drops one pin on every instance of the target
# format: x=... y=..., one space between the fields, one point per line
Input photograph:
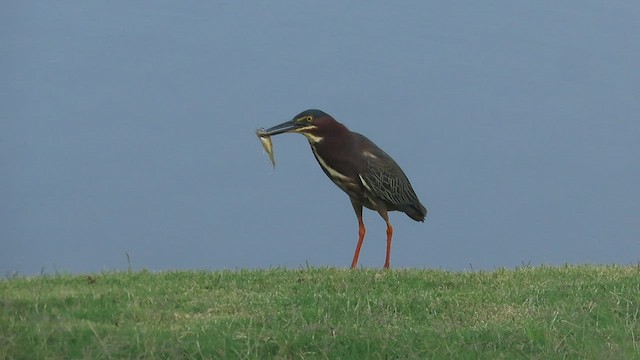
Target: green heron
x=367 y=174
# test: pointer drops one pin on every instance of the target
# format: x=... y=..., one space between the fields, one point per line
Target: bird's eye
x=309 y=119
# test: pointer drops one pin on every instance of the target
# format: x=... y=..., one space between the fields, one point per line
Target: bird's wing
x=386 y=181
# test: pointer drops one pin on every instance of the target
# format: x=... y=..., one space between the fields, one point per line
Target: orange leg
x=389 y=236
x=387 y=259
x=361 y=232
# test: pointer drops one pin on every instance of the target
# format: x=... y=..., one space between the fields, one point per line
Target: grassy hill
x=581 y=312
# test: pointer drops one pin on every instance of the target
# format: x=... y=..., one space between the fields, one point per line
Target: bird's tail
x=415 y=211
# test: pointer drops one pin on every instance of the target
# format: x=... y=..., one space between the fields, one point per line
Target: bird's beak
x=279 y=129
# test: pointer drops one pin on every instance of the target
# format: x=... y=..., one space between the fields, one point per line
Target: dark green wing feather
x=386 y=181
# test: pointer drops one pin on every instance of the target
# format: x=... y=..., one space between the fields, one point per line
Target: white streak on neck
x=330 y=170
x=312 y=138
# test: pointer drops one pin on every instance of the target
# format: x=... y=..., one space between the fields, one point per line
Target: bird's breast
x=331 y=171
x=344 y=174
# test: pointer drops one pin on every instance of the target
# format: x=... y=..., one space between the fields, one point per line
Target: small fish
x=266 y=144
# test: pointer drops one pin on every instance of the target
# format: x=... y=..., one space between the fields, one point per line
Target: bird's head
x=314 y=124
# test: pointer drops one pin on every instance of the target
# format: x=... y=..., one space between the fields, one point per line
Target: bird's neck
x=331 y=130
x=313 y=138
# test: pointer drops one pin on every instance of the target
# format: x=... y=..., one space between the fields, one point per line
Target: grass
x=571 y=312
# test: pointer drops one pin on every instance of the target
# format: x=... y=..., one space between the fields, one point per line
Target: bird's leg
x=361 y=232
x=385 y=216
x=389 y=236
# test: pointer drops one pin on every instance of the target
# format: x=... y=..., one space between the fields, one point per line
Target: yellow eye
x=308 y=119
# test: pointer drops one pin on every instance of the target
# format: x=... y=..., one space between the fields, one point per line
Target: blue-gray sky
x=128 y=128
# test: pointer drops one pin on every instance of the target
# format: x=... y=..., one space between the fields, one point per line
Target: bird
x=370 y=177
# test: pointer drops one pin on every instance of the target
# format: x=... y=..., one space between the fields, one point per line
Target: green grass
x=571 y=312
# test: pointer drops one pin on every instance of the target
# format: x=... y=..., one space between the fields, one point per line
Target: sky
x=127 y=133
